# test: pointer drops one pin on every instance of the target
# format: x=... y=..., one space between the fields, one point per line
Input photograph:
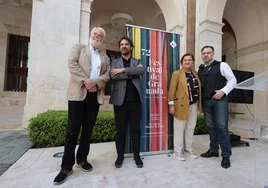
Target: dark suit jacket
x=120 y=80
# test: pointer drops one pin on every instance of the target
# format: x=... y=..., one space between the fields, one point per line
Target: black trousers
x=128 y=113
x=80 y=114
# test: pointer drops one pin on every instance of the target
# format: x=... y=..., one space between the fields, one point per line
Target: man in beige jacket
x=89 y=70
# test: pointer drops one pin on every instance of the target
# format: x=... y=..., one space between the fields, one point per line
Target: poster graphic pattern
x=159 y=53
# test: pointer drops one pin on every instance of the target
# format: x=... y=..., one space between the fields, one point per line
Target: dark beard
x=126 y=53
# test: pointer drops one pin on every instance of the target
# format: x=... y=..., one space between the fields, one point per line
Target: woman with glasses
x=184 y=101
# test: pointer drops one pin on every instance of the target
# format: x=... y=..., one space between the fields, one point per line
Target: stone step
x=7 y=94
x=12 y=100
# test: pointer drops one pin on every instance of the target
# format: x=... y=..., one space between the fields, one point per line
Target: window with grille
x=17 y=63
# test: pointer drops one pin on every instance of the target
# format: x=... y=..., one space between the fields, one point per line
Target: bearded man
x=89 y=70
x=127 y=97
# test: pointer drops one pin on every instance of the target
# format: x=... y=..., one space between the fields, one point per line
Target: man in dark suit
x=127 y=97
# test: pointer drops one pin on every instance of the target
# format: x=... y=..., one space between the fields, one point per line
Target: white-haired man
x=89 y=70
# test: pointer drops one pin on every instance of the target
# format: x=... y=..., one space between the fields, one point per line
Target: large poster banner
x=159 y=52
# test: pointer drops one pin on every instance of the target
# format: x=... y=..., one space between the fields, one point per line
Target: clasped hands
x=91 y=85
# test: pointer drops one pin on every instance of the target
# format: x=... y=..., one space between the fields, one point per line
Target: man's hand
x=219 y=94
x=139 y=65
x=89 y=83
x=93 y=89
x=172 y=109
x=117 y=71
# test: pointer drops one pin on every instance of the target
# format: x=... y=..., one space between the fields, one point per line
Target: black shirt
x=193 y=87
x=132 y=94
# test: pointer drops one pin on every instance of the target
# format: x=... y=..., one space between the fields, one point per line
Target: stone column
x=85 y=21
x=3 y=54
x=191 y=13
x=211 y=34
x=55 y=29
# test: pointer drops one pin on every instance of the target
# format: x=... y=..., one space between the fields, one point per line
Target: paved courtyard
x=14 y=144
x=38 y=167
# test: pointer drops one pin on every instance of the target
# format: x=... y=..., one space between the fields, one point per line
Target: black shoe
x=62 y=177
x=225 y=163
x=209 y=154
x=119 y=162
x=138 y=161
x=85 y=166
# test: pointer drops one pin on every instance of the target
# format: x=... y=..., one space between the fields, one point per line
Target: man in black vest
x=217 y=80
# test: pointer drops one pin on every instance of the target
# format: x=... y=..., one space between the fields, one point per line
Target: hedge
x=201 y=126
x=48 y=129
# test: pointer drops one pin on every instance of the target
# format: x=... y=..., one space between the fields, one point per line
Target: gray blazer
x=120 y=80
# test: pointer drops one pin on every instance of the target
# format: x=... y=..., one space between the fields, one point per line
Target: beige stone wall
x=255 y=59
x=55 y=29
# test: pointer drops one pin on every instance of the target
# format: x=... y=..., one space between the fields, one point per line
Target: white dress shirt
x=95 y=62
x=227 y=72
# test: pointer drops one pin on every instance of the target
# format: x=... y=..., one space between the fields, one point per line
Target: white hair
x=101 y=29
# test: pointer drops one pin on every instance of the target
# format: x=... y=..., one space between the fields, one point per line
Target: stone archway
x=249 y=46
x=245 y=16
x=209 y=26
x=156 y=14
x=248 y=24
x=229 y=45
x=212 y=10
x=174 y=14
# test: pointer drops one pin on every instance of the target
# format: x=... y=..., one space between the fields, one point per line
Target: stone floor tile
x=159 y=170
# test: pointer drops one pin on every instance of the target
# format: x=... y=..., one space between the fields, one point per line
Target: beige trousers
x=184 y=130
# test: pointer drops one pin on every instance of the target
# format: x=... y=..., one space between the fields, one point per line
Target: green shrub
x=104 y=129
x=48 y=129
x=201 y=126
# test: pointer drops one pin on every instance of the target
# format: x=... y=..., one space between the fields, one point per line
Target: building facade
x=37 y=35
